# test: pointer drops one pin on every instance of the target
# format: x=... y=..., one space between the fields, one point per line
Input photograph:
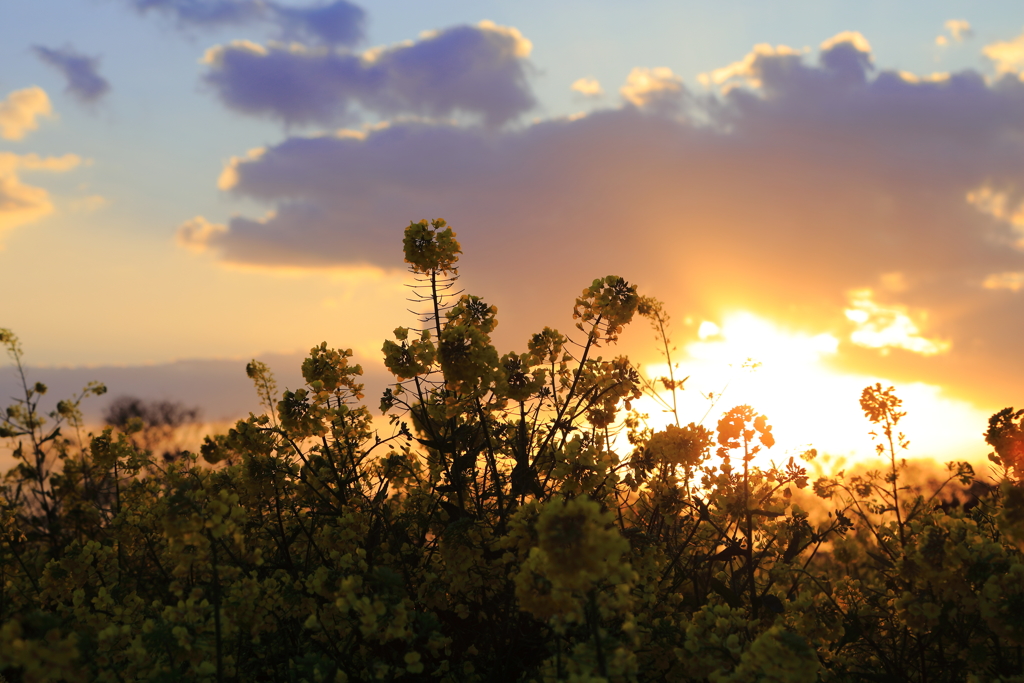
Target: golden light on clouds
x=195 y=234
x=644 y=86
x=790 y=377
x=588 y=87
x=229 y=175
x=21 y=203
x=745 y=68
x=521 y=45
x=888 y=326
x=1013 y=281
x=1008 y=56
x=20 y=112
x=958 y=29
x=997 y=204
x=855 y=38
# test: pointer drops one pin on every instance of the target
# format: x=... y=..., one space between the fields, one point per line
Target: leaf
x=727 y=593
x=464 y=462
x=454 y=511
x=773 y=604
x=441 y=446
x=734 y=550
x=852 y=631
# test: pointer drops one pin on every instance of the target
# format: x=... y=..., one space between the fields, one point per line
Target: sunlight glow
x=785 y=375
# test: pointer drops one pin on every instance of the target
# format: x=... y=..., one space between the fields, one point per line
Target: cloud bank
x=84 y=82
x=805 y=187
x=478 y=70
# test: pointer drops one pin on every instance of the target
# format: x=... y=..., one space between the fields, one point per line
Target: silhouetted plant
x=517 y=522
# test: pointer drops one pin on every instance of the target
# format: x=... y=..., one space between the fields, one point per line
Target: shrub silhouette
x=154 y=425
x=519 y=522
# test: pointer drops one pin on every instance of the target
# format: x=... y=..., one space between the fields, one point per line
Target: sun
x=790 y=377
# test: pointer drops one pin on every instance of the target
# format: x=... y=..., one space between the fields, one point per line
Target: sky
x=834 y=190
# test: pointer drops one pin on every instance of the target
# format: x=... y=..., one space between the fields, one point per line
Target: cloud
x=20 y=203
x=478 y=70
x=588 y=87
x=81 y=72
x=829 y=176
x=888 y=327
x=958 y=29
x=656 y=88
x=333 y=23
x=744 y=69
x=20 y=111
x=197 y=234
x=1007 y=55
x=1011 y=281
x=337 y=23
x=1003 y=206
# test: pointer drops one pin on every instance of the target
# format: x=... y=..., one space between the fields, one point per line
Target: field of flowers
x=519 y=522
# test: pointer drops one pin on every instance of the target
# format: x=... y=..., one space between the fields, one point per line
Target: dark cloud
x=337 y=23
x=334 y=23
x=81 y=72
x=478 y=70
x=827 y=178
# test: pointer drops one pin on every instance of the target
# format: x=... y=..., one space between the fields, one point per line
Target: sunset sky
x=833 y=189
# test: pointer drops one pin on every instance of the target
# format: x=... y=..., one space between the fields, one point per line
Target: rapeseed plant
x=497 y=532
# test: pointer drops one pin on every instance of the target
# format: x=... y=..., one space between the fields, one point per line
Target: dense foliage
x=519 y=522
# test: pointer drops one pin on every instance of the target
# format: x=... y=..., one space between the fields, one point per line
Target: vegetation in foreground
x=495 y=534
